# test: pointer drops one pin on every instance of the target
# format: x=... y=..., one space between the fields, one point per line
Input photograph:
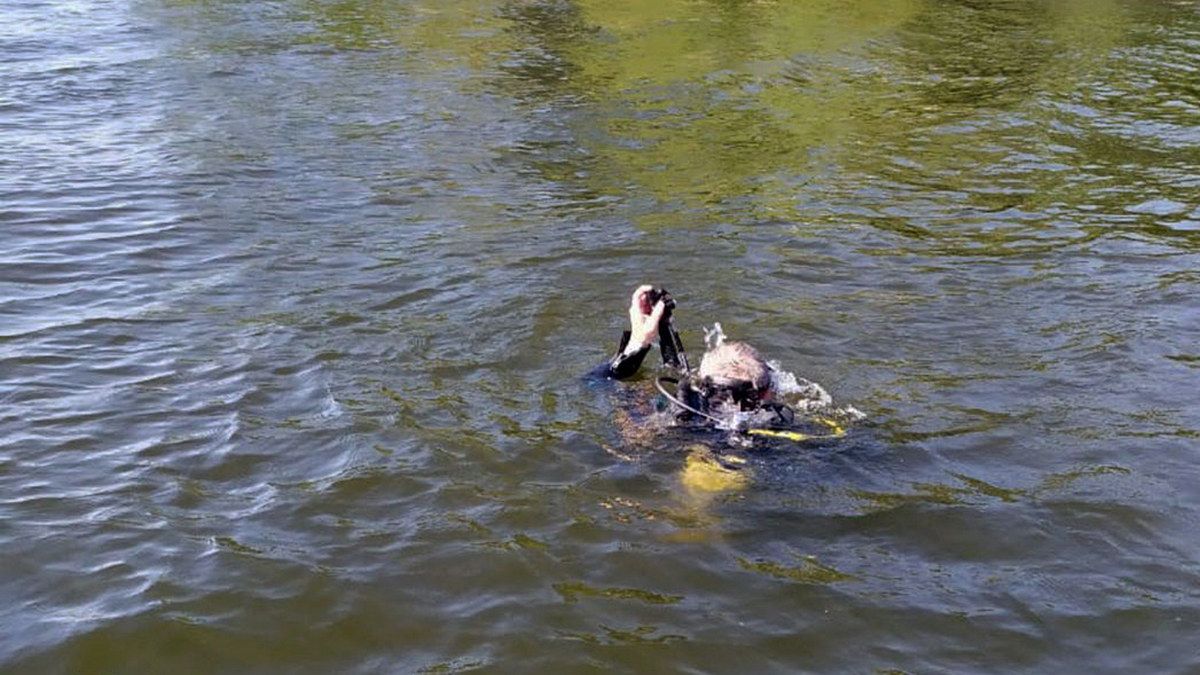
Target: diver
x=735 y=398
x=734 y=389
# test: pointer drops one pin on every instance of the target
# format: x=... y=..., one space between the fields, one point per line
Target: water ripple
x=295 y=297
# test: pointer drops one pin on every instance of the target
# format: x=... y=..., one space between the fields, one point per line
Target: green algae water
x=296 y=297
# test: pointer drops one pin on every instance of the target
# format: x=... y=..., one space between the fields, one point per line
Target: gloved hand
x=643 y=319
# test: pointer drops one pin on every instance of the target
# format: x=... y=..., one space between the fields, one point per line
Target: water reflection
x=966 y=55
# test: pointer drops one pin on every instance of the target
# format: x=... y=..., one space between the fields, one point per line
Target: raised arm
x=644 y=317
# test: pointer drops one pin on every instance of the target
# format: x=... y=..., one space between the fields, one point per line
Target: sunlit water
x=296 y=296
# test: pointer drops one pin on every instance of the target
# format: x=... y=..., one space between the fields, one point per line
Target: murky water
x=295 y=298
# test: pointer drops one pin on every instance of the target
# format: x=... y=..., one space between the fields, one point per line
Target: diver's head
x=734 y=373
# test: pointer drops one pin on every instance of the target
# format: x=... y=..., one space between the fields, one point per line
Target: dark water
x=295 y=296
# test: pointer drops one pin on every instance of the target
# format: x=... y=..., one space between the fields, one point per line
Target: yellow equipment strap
x=836 y=431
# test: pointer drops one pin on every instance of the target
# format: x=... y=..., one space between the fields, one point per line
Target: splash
x=807 y=397
x=714 y=337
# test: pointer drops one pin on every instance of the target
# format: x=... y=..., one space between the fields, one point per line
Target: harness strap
x=675 y=399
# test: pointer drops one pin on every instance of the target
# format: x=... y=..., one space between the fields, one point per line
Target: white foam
x=805 y=396
x=714 y=337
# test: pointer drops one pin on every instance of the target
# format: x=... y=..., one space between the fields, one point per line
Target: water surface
x=295 y=297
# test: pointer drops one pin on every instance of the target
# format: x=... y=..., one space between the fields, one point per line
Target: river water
x=296 y=296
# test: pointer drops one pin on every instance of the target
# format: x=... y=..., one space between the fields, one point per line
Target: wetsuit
x=621 y=365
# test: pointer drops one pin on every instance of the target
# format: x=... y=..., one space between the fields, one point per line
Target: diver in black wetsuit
x=732 y=376
x=735 y=398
